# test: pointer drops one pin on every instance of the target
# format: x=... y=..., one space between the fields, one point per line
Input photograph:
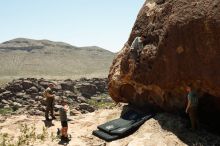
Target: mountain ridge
x=22 y=57
x=31 y=44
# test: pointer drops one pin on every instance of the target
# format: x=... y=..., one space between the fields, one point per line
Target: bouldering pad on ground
x=128 y=123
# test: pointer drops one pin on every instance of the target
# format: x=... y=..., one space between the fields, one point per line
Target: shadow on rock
x=180 y=127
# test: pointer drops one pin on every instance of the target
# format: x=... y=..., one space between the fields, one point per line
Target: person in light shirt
x=137 y=46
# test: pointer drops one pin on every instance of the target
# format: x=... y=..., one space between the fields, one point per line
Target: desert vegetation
x=27 y=136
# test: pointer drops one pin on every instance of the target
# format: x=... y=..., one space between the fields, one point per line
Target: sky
x=103 y=23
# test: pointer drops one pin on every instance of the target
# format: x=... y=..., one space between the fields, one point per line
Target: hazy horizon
x=79 y=23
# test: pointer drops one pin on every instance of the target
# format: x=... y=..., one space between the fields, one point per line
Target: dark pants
x=135 y=55
x=49 y=110
x=193 y=115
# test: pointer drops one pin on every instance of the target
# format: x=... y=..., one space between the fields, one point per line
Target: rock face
x=182 y=48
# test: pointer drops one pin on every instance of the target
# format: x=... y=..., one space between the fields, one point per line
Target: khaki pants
x=49 y=110
x=193 y=115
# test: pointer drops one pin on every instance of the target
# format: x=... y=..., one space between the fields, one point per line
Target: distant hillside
x=43 y=58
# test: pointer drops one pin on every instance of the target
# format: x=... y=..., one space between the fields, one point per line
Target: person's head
x=189 y=87
x=51 y=85
x=143 y=38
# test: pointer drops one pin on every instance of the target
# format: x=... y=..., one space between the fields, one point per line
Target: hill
x=43 y=58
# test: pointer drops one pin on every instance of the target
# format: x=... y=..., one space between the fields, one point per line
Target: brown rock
x=67 y=85
x=183 y=47
x=14 y=87
x=87 y=89
x=27 y=84
x=2 y=90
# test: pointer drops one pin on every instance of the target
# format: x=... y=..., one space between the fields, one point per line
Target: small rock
x=35 y=112
x=33 y=95
x=1 y=105
x=32 y=101
x=38 y=98
x=16 y=106
x=26 y=96
x=10 y=101
x=81 y=99
x=74 y=112
x=98 y=99
x=107 y=99
x=32 y=90
x=7 y=106
x=86 y=107
x=70 y=94
x=20 y=94
x=57 y=88
x=27 y=84
x=44 y=84
x=5 y=102
x=14 y=88
x=6 y=95
x=2 y=90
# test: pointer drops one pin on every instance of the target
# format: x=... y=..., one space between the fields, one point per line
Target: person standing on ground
x=48 y=94
x=63 y=118
x=192 y=107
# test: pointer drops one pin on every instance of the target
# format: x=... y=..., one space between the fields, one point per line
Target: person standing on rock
x=48 y=94
x=137 y=46
x=192 y=107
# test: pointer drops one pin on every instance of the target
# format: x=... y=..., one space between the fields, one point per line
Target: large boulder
x=67 y=85
x=32 y=90
x=101 y=84
x=14 y=87
x=27 y=84
x=182 y=48
x=86 y=89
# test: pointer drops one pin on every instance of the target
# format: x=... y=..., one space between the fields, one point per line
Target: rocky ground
x=24 y=96
x=162 y=130
x=22 y=122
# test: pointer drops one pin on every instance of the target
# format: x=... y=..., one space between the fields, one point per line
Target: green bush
x=5 y=111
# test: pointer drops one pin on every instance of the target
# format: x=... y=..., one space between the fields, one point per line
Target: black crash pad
x=105 y=136
x=128 y=123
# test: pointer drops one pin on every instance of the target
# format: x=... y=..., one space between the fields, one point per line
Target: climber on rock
x=137 y=46
x=192 y=107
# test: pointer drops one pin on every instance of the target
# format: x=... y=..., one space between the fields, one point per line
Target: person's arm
x=188 y=105
x=134 y=44
x=49 y=95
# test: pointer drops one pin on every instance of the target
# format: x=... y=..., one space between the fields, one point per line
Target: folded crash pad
x=105 y=136
x=118 y=128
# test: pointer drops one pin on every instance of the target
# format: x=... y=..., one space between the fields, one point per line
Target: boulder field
x=25 y=95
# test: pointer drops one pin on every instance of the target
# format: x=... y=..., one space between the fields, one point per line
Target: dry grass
x=28 y=136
